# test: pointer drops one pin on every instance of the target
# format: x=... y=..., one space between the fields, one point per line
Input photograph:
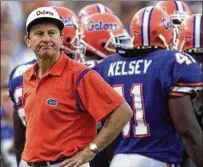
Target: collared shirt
x=55 y=127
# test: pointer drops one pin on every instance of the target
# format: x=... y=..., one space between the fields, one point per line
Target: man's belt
x=46 y=163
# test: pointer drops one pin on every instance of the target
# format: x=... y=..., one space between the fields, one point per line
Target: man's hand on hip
x=78 y=159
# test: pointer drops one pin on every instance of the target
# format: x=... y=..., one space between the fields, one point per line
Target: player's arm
x=184 y=78
x=19 y=136
x=184 y=119
x=198 y=107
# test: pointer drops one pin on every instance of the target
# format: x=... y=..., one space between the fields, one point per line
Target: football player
x=191 y=41
x=159 y=85
x=15 y=92
x=70 y=47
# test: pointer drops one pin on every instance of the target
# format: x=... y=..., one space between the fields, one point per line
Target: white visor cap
x=43 y=13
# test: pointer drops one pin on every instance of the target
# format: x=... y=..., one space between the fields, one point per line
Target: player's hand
x=78 y=159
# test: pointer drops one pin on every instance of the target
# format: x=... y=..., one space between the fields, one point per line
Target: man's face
x=45 y=40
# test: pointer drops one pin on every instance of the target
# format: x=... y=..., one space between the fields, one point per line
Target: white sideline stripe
x=186 y=89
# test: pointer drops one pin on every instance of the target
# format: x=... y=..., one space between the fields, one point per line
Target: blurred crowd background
x=15 y=52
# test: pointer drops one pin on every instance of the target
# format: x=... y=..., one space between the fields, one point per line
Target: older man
x=63 y=100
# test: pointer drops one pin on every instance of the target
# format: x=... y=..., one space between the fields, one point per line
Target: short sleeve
x=97 y=96
x=187 y=76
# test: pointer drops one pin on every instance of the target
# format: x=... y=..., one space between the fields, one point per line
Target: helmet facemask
x=73 y=48
x=177 y=19
x=118 y=41
x=122 y=40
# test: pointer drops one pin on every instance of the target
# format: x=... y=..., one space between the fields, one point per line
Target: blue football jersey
x=15 y=87
x=147 y=82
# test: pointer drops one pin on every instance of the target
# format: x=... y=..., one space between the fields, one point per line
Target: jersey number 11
x=140 y=128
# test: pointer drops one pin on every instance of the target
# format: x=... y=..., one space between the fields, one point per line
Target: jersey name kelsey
x=134 y=67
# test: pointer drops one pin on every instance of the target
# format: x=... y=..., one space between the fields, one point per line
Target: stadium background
x=14 y=51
